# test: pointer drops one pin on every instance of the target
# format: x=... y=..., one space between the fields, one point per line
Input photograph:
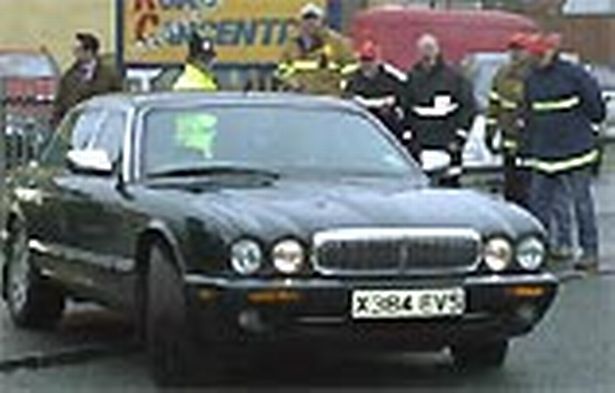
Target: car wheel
x=480 y=355
x=32 y=300
x=167 y=335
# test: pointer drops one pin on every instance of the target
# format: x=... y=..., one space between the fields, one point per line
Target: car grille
x=396 y=251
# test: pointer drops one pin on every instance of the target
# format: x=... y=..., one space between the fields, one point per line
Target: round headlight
x=498 y=254
x=531 y=253
x=246 y=257
x=288 y=256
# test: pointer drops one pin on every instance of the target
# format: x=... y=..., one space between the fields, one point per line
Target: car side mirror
x=90 y=161
x=435 y=162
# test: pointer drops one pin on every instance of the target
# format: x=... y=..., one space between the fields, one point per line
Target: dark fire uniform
x=439 y=110
x=381 y=94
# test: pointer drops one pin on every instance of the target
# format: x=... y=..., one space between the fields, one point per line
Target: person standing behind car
x=317 y=59
x=563 y=103
x=86 y=78
x=196 y=132
x=439 y=106
x=378 y=87
x=198 y=73
x=505 y=116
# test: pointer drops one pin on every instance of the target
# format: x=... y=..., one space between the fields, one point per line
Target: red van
x=461 y=32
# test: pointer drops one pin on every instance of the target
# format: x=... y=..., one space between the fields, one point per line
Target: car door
x=42 y=190
x=98 y=209
x=104 y=230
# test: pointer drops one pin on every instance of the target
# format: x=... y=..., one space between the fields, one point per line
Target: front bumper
x=319 y=310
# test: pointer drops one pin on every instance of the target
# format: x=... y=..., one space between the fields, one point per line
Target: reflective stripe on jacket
x=569 y=164
x=193 y=78
x=563 y=103
x=319 y=69
x=505 y=108
x=556 y=105
x=438 y=102
x=381 y=94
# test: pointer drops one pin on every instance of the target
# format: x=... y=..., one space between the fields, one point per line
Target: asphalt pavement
x=573 y=350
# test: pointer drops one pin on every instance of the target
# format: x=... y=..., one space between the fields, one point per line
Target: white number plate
x=404 y=304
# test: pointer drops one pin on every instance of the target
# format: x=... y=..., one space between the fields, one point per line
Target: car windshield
x=269 y=139
x=26 y=65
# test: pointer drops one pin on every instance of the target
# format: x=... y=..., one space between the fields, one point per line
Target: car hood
x=301 y=208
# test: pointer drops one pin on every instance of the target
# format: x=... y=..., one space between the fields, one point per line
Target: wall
x=52 y=23
x=589 y=6
x=589 y=36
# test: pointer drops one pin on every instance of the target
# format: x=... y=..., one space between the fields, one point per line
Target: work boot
x=588 y=264
x=562 y=253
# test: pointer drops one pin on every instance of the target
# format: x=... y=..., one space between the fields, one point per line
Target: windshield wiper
x=216 y=170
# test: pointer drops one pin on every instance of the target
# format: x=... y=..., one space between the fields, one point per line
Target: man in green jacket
x=505 y=116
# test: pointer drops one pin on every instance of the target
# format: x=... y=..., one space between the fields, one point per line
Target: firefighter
x=563 y=104
x=317 y=59
x=198 y=73
x=378 y=87
x=505 y=116
x=439 y=106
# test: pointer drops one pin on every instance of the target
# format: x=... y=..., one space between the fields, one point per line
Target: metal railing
x=24 y=127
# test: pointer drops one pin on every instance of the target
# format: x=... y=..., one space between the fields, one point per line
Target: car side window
x=77 y=131
x=86 y=129
x=110 y=137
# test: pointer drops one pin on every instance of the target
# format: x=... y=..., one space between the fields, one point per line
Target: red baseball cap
x=518 y=40
x=540 y=44
x=369 y=51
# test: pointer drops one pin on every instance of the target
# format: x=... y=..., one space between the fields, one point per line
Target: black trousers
x=516 y=181
x=392 y=121
x=453 y=178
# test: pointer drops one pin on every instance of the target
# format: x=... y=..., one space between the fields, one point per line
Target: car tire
x=481 y=355
x=32 y=300
x=168 y=338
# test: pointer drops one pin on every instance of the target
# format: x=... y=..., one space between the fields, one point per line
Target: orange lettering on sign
x=145 y=21
x=149 y=4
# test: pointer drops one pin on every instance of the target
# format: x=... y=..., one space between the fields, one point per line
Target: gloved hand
x=454 y=147
x=461 y=137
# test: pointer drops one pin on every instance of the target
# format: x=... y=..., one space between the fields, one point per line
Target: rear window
x=26 y=65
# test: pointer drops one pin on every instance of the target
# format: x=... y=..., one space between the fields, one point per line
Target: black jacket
x=380 y=94
x=439 y=105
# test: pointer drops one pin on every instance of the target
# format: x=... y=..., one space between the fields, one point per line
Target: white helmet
x=312 y=10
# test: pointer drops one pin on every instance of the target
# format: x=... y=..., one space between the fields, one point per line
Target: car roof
x=195 y=98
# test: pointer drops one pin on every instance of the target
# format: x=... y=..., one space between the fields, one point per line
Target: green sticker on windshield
x=197 y=131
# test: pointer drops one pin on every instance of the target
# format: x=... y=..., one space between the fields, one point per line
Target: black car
x=261 y=219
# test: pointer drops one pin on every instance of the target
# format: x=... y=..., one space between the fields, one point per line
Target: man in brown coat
x=86 y=78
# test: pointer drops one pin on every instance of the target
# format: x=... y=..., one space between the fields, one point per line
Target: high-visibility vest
x=194 y=78
x=320 y=70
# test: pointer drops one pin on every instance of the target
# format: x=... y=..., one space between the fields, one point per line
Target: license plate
x=406 y=304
